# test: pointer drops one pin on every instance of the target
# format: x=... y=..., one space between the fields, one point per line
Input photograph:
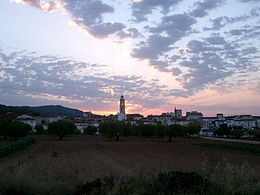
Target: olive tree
x=61 y=128
x=174 y=131
x=111 y=129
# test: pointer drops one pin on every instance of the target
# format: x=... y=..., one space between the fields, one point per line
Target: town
x=208 y=125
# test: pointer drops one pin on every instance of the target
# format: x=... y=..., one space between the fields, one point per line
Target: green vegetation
x=39 y=130
x=90 y=130
x=111 y=129
x=164 y=183
x=174 y=131
x=244 y=149
x=54 y=154
x=61 y=128
x=192 y=129
x=223 y=130
x=15 y=146
x=14 y=129
x=99 y=144
x=234 y=181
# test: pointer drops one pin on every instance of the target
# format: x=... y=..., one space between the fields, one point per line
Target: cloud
x=175 y=26
x=249 y=50
x=141 y=9
x=155 y=46
x=245 y=1
x=51 y=79
x=128 y=33
x=202 y=8
x=220 y=22
x=46 y=6
x=88 y=14
x=105 y=29
x=245 y=32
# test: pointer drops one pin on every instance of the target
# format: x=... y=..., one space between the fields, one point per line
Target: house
x=194 y=115
x=27 y=120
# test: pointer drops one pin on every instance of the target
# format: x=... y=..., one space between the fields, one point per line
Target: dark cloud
x=88 y=12
x=141 y=9
x=202 y=8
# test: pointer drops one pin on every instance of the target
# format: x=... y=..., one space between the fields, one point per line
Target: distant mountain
x=42 y=110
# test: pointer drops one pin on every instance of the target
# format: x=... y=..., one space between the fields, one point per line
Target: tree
x=39 y=129
x=192 y=129
x=174 y=131
x=126 y=129
x=18 y=129
x=160 y=130
x=5 y=127
x=43 y=121
x=147 y=130
x=90 y=130
x=110 y=129
x=223 y=130
x=237 y=132
x=61 y=128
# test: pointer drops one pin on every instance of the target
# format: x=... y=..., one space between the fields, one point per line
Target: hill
x=41 y=110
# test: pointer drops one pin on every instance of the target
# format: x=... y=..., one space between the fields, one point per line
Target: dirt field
x=80 y=158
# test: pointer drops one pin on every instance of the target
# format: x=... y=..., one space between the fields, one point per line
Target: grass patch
x=243 y=149
x=100 y=145
x=45 y=146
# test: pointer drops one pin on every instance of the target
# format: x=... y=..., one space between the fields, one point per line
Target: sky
x=199 y=55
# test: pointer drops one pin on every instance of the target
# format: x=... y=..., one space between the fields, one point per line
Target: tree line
x=114 y=129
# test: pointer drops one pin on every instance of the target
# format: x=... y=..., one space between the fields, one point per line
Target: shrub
x=15 y=146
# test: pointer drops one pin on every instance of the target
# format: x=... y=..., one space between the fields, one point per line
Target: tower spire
x=122 y=104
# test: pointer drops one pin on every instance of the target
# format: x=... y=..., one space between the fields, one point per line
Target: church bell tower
x=122 y=105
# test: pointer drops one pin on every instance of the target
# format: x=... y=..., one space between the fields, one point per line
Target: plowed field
x=80 y=158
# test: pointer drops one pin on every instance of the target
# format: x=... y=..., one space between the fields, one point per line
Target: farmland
x=50 y=164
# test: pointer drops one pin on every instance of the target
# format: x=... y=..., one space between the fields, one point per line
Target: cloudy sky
x=193 y=54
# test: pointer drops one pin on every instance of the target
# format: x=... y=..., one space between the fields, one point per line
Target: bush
x=90 y=130
x=165 y=183
x=15 y=146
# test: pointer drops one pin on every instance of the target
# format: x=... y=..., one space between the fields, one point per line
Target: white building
x=121 y=115
x=245 y=121
x=27 y=120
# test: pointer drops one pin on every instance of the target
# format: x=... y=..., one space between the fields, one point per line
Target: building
x=178 y=113
x=121 y=115
x=245 y=121
x=194 y=115
x=122 y=105
x=27 y=120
